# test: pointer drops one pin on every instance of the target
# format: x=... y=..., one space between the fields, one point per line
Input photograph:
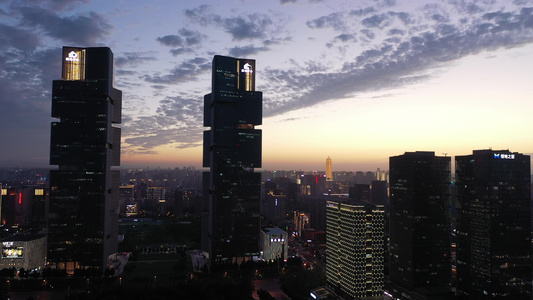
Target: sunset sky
x=358 y=81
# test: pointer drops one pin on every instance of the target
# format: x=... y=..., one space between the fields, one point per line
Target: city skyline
x=359 y=82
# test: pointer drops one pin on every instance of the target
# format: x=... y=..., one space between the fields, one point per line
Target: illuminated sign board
x=247 y=68
x=72 y=56
x=11 y=251
x=73 y=63
x=246 y=74
x=503 y=156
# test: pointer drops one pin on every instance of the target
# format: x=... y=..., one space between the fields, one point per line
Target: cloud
x=244 y=27
x=55 y=5
x=469 y=8
x=180 y=51
x=21 y=39
x=397 y=62
x=246 y=50
x=334 y=20
x=378 y=21
x=176 y=123
x=362 y=12
x=82 y=29
x=346 y=37
x=186 y=37
x=396 y=31
x=25 y=82
x=379 y=47
x=171 y=40
x=133 y=59
x=198 y=14
x=248 y=27
x=192 y=37
x=187 y=41
x=384 y=20
x=186 y=71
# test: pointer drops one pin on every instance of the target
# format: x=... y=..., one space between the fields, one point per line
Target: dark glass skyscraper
x=494 y=225
x=85 y=144
x=419 y=223
x=232 y=149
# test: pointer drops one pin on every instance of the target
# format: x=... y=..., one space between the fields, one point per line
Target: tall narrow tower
x=85 y=144
x=329 y=170
x=232 y=149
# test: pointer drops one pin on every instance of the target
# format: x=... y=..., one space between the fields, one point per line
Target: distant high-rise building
x=126 y=199
x=379 y=192
x=312 y=185
x=359 y=193
x=232 y=149
x=494 y=225
x=301 y=221
x=85 y=144
x=355 y=249
x=329 y=170
x=419 y=223
x=273 y=208
x=24 y=207
x=155 y=199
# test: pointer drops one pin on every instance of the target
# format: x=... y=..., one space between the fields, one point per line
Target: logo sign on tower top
x=503 y=156
x=247 y=68
x=72 y=56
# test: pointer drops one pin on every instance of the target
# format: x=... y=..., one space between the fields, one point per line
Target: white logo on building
x=72 y=56
x=247 y=68
x=503 y=156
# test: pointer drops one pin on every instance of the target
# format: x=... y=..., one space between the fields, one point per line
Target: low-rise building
x=274 y=244
x=26 y=251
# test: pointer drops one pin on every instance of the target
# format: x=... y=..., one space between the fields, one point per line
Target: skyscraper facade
x=85 y=144
x=419 y=222
x=494 y=225
x=232 y=149
x=355 y=249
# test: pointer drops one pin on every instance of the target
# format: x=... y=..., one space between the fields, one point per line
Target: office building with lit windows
x=232 y=149
x=420 y=191
x=494 y=225
x=26 y=251
x=85 y=145
x=355 y=249
x=23 y=207
x=274 y=244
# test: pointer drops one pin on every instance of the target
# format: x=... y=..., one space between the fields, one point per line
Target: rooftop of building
x=321 y=293
x=274 y=230
x=23 y=237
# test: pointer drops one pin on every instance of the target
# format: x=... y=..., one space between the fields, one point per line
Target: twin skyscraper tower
x=232 y=149
x=85 y=145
